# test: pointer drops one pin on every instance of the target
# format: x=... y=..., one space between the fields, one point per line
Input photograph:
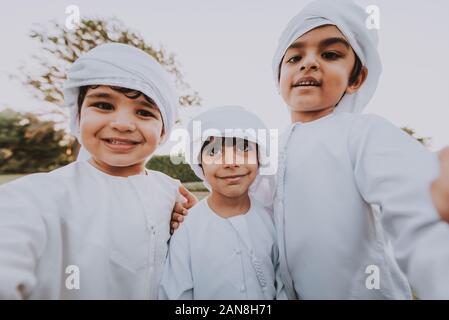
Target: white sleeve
x=177 y=282
x=22 y=238
x=395 y=171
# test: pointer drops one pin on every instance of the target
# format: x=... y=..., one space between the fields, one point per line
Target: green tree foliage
x=28 y=144
x=181 y=171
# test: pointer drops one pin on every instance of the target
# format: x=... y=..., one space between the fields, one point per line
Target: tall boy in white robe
x=226 y=247
x=336 y=165
x=96 y=229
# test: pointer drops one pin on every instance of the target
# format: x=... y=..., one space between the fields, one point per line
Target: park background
x=219 y=52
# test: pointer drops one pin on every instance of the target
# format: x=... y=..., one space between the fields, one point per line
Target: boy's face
x=119 y=131
x=230 y=167
x=315 y=71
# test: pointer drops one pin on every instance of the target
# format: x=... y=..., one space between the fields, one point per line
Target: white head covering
x=234 y=121
x=350 y=19
x=116 y=64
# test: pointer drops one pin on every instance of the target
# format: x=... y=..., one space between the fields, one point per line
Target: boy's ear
x=162 y=134
x=352 y=88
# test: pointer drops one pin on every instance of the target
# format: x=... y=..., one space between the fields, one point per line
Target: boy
x=440 y=187
x=226 y=247
x=96 y=229
x=336 y=164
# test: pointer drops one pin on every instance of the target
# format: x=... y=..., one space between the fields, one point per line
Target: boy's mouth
x=120 y=145
x=233 y=178
x=119 y=141
x=307 y=82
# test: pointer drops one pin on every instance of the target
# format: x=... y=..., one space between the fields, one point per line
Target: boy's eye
x=103 y=106
x=144 y=113
x=214 y=150
x=294 y=59
x=244 y=147
x=330 y=55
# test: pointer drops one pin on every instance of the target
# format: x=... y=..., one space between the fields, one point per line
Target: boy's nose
x=230 y=157
x=309 y=62
x=123 y=126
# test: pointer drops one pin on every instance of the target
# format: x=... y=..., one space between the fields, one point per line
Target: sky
x=225 y=50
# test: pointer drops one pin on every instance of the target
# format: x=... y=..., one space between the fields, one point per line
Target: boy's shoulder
x=46 y=178
x=263 y=212
x=359 y=125
x=361 y=119
x=42 y=187
x=162 y=177
x=198 y=212
x=365 y=119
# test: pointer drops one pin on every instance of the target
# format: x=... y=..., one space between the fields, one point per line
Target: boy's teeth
x=308 y=83
x=118 y=142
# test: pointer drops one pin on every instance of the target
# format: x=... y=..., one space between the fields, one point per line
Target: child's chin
x=234 y=191
x=305 y=107
x=122 y=163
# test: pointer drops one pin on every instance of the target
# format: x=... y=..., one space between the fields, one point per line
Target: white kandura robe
x=331 y=170
x=114 y=229
x=211 y=257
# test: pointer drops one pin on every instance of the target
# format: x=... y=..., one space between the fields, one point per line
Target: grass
x=197 y=188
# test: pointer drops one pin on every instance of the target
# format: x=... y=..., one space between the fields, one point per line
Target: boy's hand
x=180 y=209
x=440 y=187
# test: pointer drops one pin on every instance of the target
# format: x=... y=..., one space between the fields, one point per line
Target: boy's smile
x=120 y=132
x=315 y=71
x=120 y=144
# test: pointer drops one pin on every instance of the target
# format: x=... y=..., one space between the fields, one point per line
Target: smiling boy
x=96 y=229
x=226 y=248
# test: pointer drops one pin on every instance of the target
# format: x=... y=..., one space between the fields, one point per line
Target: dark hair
x=234 y=142
x=356 y=69
x=129 y=93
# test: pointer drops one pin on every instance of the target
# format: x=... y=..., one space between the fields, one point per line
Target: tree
x=29 y=144
x=61 y=47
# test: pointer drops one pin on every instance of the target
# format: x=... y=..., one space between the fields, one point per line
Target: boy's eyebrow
x=99 y=95
x=323 y=43
x=335 y=40
x=147 y=104
x=105 y=95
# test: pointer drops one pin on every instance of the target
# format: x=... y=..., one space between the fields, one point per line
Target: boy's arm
x=440 y=187
x=22 y=239
x=177 y=280
x=394 y=171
